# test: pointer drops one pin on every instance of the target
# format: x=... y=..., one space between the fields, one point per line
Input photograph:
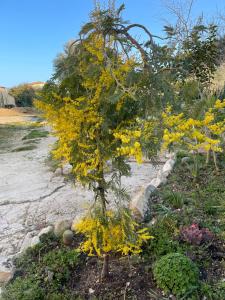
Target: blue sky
x=33 y=32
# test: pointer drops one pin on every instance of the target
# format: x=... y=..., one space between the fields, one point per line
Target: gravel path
x=32 y=197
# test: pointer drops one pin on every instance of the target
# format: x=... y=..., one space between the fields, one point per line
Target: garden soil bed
x=126 y=281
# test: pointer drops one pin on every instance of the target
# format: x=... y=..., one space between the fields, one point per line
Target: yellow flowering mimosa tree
x=98 y=126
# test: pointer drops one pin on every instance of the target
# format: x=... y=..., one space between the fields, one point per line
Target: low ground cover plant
x=176 y=274
x=43 y=270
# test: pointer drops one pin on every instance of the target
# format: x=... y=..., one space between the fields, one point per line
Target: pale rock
x=91 y=291
x=26 y=242
x=152 y=222
x=61 y=226
x=67 y=169
x=45 y=230
x=29 y=241
x=139 y=204
x=156 y=182
x=185 y=160
x=168 y=166
x=58 y=172
x=35 y=240
x=170 y=155
x=57 y=180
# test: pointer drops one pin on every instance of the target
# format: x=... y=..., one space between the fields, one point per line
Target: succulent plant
x=196 y=236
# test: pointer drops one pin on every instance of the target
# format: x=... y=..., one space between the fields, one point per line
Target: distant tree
x=23 y=94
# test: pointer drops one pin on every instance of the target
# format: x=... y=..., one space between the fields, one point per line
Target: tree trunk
x=101 y=190
x=215 y=161
x=105 y=268
x=207 y=157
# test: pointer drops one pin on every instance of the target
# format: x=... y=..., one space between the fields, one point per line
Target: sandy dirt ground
x=15 y=115
x=32 y=196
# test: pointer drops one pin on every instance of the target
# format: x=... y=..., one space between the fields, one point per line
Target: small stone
x=152 y=222
x=66 y=170
x=185 y=160
x=58 y=172
x=68 y=237
x=45 y=230
x=91 y=291
x=61 y=226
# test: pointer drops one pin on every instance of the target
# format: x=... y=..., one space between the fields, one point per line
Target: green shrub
x=60 y=262
x=174 y=199
x=49 y=264
x=23 y=289
x=176 y=273
x=49 y=271
x=164 y=242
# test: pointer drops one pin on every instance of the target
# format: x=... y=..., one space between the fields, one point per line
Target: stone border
x=139 y=204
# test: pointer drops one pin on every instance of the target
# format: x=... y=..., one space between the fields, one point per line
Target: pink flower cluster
x=196 y=236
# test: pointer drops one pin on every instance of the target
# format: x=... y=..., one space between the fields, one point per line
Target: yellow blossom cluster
x=112 y=234
x=130 y=143
x=95 y=47
x=84 y=138
x=194 y=134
